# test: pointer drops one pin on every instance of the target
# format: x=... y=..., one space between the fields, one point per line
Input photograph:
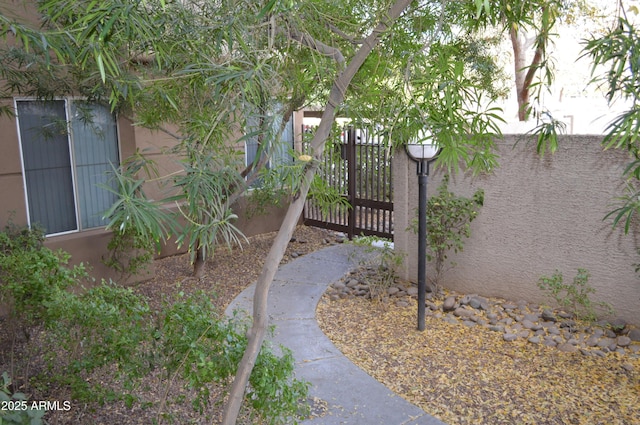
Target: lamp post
x=423 y=152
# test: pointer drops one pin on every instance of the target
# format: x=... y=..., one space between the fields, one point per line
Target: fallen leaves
x=468 y=375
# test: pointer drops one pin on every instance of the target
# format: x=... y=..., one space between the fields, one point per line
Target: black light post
x=423 y=153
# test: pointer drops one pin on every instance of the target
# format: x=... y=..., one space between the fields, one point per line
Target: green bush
x=574 y=296
x=202 y=348
x=104 y=326
x=109 y=328
x=32 y=275
x=449 y=220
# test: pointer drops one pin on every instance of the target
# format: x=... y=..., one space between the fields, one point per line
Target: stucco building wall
x=540 y=215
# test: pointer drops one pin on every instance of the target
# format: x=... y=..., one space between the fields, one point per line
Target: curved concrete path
x=352 y=396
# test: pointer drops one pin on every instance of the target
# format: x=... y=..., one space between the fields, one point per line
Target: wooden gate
x=360 y=169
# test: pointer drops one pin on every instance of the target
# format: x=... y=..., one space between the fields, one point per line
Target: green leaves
x=619 y=52
x=32 y=275
x=202 y=202
x=449 y=220
x=575 y=296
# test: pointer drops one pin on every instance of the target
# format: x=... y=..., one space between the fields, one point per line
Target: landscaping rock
x=449 y=304
x=623 y=341
x=510 y=337
x=618 y=325
x=567 y=348
x=463 y=312
x=479 y=303
x=392 y=290
x=531 y=317
x=352 y=283
x=634 y=334
x=548 y=316
x=565 y=315
x=515 y=321
x=592 y=341
x=605 y=342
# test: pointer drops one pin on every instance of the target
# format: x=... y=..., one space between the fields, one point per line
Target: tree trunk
x=258 y=329
x=198 y=264
x=524 y=73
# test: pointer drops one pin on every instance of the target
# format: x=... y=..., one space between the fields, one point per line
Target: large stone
x=618 y=325
x=479 y=303
x=509 y=337
x=605 y=342
x=634 y=334
x=339 y=286
x=548 y=315
x=449 y=304
x=531 y=317
x=432 y=306
x=592 y=341
x=623 y=341
x=463 y=312
x=567 y=348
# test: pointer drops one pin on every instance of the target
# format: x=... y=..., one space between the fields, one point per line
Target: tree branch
x=342 y=34
x=324 y=49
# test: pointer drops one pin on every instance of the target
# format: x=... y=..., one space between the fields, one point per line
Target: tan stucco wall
x=540 y=214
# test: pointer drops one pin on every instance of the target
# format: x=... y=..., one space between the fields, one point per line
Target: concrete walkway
x=352 y=396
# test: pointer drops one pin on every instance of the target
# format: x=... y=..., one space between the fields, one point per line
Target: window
x=67 y=148
x=280 y=153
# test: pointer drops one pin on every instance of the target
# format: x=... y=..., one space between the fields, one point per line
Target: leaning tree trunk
x=258 y=329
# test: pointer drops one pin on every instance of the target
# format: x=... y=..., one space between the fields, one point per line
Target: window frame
x=71 y=146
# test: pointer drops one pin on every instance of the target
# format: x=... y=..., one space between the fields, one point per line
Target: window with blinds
x=67 y=149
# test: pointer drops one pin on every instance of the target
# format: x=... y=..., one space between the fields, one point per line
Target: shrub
x=110 y=328
x=203 y=348
x=385 y=263
x=449 y=220
x=32 y=275
x=574 y=296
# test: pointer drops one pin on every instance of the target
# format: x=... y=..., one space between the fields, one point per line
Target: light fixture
x=423 y=151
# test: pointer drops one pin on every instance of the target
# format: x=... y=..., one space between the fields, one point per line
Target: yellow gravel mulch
x=468 y=375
